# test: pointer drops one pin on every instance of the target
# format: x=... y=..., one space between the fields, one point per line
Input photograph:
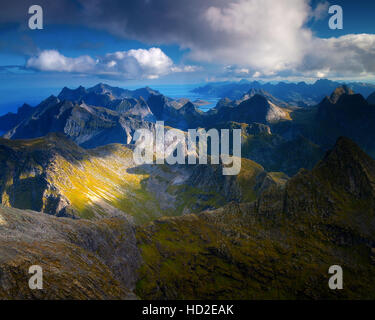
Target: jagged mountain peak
x=254 y=91
x=78 y=89
x=261 y=92
x=260 y=99
x=188 y=110
x=339 y=92
x=188 y=106
x=100 y=85
x=343 y=96
x=72 y=94
x=25 y=105
x=256 y=108
x=145 y=92
x=103 y=88
x=224 y=102
x=323 y=81
x=349 y=167
x=25 y=108
x=260 y=109
x=340 y=190
x=346 y=148
x=50 y=99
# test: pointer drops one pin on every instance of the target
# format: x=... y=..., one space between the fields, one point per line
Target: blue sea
x=184 y=91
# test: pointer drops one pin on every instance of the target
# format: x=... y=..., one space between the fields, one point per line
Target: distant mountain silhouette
x=296 y=94
x=10 y=120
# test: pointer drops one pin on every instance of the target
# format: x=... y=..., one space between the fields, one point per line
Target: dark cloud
x=154 y=21
x=148 y=20
x=58 y=11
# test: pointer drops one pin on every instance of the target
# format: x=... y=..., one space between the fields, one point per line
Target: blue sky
x=154 y=42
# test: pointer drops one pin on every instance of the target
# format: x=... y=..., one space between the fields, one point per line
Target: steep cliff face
x=279 y=246
x=80 y=259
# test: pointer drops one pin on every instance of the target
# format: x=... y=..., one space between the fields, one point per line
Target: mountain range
x=297 y=94
x=102 y=115
x=276 y=246
x=73 y=199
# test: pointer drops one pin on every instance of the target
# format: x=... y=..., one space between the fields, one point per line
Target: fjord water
x=177 y=91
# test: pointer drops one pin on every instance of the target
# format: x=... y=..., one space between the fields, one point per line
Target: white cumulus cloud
x=132 y=64
x=52 y=60
x=267 y=36
x=352 y=54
